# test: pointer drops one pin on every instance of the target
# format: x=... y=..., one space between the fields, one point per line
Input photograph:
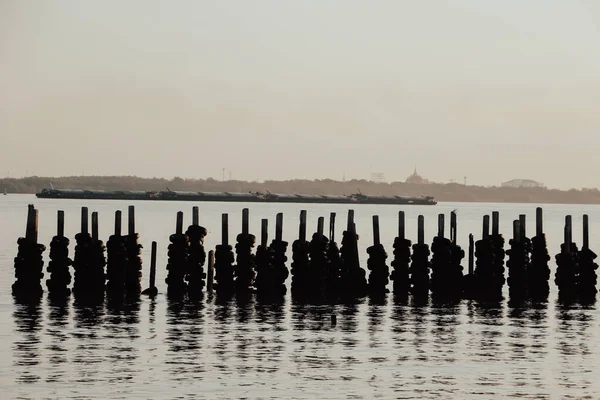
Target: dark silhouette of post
x=279 y=227
x=539 y=222
x=421 y=230
x=320 y=226
x=211 y=271
x=495 y=223
x=586 y=232
x=60 y=224
x=179 y=226
x=225 y=229
x=245 y=221
x=332 y=227
x=131 y=220
x=401 y=225
x=486 y=227
x=440 y=225
x=95 y=225
x=264 y=232
x=376 y=237
x=195 y=216
x=471 y=254
x=302 y=229
x=118 y=223
x=84 y=220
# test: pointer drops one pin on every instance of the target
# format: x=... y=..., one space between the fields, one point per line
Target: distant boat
x=358 y=198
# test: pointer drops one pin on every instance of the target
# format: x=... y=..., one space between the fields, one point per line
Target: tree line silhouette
x=450 y=192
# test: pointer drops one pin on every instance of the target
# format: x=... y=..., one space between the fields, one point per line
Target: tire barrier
x=29 y=263
x=469 y=281
x=498 y=250
x=318 y=265
x=177 y=264
x=133 y=273
x=353 y=277
x=336 y=264
x=457 y=254
x=244 y=269
x=420 y=265
x=58 y=267
x=567 y=270
x=380 y=272
x=196 y=256
x=518 y=261
x=402 y=257
x=224 y=259
x=587 y=267
x=441 y=263
x=89 y=260
x=487 y=282
x=300 y=260
x=117 y=259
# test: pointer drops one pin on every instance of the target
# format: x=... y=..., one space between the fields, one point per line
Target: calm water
x=246 y=349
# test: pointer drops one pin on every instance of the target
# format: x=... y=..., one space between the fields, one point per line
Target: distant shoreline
x=451 y=192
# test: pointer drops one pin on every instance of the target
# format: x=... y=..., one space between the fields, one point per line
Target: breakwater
x=321 y=270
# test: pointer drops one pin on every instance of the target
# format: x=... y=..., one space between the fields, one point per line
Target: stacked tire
x=245 y=273
x=196 y=258
x=29 y=265
x=400 y=274
x=58 y=267
x=177 y=264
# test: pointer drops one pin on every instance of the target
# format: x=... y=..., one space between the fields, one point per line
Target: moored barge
x=250 y=197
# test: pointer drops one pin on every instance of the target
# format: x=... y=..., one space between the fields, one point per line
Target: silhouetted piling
x=539 y=272
x=333 y=282
x=442 y=284
x=133 y=273
x=152 y=289
x=587 y=267
x=245 y=273
x=89 y=262
x=419 y=268
x=469 y=281
x=353 y=277
x=98 y=264
x=402 y=257
x=488 y=280
x=177 y=264
x=224 y=259
x=498 y=241
x=300 y=259
x=116 y=268
x=60 y=277
x=263 y=261
x=29 y=261
x=380 y=272
x=318 y=264
x=211 y=272
x=278 y=271
x=196 y=256
x=567 y=261
x=518 y=260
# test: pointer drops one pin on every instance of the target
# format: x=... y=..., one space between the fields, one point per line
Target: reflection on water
x=26 y=345
x=247 y=346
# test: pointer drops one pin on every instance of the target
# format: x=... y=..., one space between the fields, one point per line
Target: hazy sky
x=276 y=89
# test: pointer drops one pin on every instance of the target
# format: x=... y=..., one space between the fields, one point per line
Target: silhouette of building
x=415 y=178
x=523 y=183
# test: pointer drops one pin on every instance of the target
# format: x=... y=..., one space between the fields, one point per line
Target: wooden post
x=118 y=223
x=441 y=225
x=332 y=227
x=153 y=266
x=350 y=220
x=211 y=271
x=471 y=254
x=31 y=231
x=568 y=232
x=264 y=232
x=179 y=225
x=401 y=226
x=517 y=230
x=539 y=222
x=245 y=221
x=586 y=232
x=302 y=232
x=486 y=227
x=131 y=220
x=320 y=226
x=453 y=227
x=225 y=229
x=60 y=224
x=279 y=227
x=495 y=223
x=376 y=238
x=522 y=230
x=95 y=225
x=421 y=230
x=84 y=220
x=195 y=216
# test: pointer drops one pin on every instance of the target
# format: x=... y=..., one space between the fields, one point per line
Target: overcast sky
x=276 y=89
